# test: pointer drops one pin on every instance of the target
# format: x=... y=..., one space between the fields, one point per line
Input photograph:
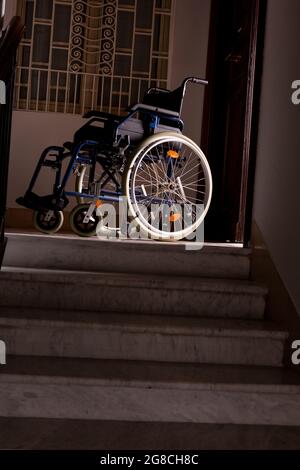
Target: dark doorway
x=231 y=114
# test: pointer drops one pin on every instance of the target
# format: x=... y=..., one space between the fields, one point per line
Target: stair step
x=141 y=337
x=131 y=293
x=150 y=392
x=146 y=257
x=40 y=434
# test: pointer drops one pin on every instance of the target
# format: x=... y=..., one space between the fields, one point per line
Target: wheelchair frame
x=160 y=109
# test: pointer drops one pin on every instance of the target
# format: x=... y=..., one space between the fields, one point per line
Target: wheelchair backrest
x=169 y=100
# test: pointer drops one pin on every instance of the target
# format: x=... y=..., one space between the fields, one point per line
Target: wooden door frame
x=255 y=65
x=8 y=46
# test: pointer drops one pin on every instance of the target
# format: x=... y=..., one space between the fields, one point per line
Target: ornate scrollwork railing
x=93 y=33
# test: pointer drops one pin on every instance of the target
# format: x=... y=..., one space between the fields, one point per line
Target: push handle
x=199 y=81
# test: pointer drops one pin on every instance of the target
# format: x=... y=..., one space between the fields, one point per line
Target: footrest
x=35 y=202
x=30 y=200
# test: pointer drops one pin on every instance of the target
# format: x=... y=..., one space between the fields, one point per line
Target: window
x=83 y=54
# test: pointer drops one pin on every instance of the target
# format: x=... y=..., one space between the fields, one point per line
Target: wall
x=189 y=57
x=10 y=10
x=32 y=132
x=277 y=186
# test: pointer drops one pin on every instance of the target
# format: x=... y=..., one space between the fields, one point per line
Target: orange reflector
x=174 y=217
x=98 y=203
x=173 y=154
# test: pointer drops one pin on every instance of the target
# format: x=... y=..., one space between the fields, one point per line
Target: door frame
x=255 y=66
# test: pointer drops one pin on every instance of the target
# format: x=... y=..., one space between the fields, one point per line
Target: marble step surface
x=129 y=256
x=141 y=337
x=73 y=434
x=131 y=293
x=32 y=387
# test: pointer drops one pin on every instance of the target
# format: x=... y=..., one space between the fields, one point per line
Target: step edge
x=67 y=277
x=192 y=331
x=222 y=250
x=274 y=389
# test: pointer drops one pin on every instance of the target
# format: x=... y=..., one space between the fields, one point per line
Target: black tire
x=48 y=226
x=78 y=226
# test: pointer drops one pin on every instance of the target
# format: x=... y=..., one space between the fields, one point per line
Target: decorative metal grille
x=93 y=32
x=83 y=54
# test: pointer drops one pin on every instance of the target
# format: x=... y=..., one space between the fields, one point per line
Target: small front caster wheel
x=48 y=221
x=80 y=224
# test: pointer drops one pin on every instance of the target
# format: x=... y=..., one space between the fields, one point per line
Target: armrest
x=148 y=108
x=100 y=114
x=154 y=89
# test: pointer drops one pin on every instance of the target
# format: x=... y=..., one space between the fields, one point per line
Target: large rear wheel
x=169 y=186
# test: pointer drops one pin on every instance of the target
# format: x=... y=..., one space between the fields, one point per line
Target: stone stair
x=148 y=391
x=70 y=252
x=132 y=293
x=139 y=331
x=37 y=332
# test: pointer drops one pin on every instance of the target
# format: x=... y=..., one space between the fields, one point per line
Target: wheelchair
x=142 y=158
